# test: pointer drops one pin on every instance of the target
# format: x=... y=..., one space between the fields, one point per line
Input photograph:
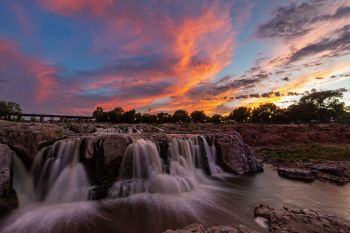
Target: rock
x=102 y=157
x=329 y=168
x=235 y=155
x=302 y=220
x=8 y=199
x=199 y=228
x=296 y=173
x=82 y=128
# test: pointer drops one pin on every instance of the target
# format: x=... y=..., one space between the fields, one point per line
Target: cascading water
x=210 y=152
x=56 y=176
x=142 y=170
x=117 y=130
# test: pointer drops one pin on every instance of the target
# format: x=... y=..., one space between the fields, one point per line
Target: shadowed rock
x=302 y=220
x=8 y=198
x=199 y=228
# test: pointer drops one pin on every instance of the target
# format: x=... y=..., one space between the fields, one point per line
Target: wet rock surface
x=337 y=172
x=8 y=199
x=199 y=228
x=296 y=173
x=236 y=156
x=301 y=220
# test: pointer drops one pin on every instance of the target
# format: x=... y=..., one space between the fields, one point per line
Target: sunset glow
x=70 y=56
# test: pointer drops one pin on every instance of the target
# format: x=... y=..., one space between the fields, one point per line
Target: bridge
x=54 y=117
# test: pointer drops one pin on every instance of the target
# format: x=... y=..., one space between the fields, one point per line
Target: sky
x=70 y=56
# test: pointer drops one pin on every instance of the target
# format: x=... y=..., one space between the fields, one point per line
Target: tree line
x=318 y=107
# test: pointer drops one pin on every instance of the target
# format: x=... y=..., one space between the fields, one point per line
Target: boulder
x=296 y=173
x=82 y=128
x=329 y=169
x=8 y=200
x=301 y=220
x=236 y=156
x=199 y=228
x=102 y=155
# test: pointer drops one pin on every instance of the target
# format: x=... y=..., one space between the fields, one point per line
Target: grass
x=308 y=152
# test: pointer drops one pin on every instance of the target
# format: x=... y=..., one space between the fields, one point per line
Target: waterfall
x=117 y=130
x=22 y=182
x=210 y=152
x=142 y=170
x=56 y=176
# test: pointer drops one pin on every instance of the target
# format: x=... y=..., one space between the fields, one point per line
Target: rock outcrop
x=235 y=155
x=296 y=173
x=332 y=171
x=8 y=199
x=302 y=220
x=199 y=228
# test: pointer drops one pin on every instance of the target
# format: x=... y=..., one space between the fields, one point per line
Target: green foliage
x=266 y=113
x=198 y=116
x=307 y=152
x=8 y=109
x=241 y=114
x=320 y=106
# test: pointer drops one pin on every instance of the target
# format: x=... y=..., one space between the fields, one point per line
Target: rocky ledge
x=302 y=220
x=332 y=171
x=8 y=199
x=199 y=228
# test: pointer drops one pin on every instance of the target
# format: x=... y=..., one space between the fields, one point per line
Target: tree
x=116 y=115
x=8 y=109
x=240 y=114
x=100 y=115
x=266 y=113
x=163 y=117
x=149 y=118
x=130 y=116
x=321 y=106
x=216 y=118
x=181 y=116
x=198 y=116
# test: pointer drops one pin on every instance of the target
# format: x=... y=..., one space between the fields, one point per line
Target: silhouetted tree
x=149 y=118
x=8 y=109
x=266 y=113
x=100 y=115
x=241 y=114
x=116 y=115
x=163 y=117
x=198 y=116
x=217 y=118
x=321 y=106
x=181 y=116
x=130 y=116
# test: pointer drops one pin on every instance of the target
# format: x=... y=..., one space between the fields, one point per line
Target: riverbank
x=171 y=173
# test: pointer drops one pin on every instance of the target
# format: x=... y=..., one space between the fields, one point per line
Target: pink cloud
x=28 y=76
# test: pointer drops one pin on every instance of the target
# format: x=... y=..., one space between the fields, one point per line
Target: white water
x=212 y=159
x=117 y=130
x=56 y=176
x=142 y=170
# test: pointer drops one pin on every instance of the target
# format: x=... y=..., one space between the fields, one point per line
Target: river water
x=225 y=199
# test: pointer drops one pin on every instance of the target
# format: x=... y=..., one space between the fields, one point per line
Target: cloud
x=295 y=20
x=156 y=48
x=333 y=45
x=32 y=80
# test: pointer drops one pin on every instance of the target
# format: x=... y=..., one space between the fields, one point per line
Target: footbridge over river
x=53 y=117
